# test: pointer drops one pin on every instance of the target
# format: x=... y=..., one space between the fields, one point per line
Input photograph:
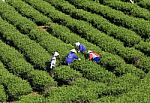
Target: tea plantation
x=31 y=30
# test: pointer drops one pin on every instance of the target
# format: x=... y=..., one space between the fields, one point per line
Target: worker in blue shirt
x=71 y=57
x=80 y=47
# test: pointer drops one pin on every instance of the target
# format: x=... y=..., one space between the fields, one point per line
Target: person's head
x=77 y=44
x=89 y=51
x=73 y=50
x=56 y=54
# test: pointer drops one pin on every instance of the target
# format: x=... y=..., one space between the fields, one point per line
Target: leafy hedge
x=33 y=51
x=18 y=66
x=23 y=25
x=138 y=25
x=14 y=60
x=14 y=85
x=69 y=94
x=34 y=15
x=93 y=72
x=128 y=8
x=144 y=47
x=3 y=96
x=128 y=37
x=31 y=98
x=139 y=94
x=64 y=74
x=41 y=80
x=144 y=4
x=116 y=88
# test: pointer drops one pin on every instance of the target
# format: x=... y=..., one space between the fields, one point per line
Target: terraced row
x=93 y=35
x=119 y=18
x=32 y=50
x=128 y=8
x=66 y=35
x=144 y=4
x=17 y=65
x=14 y=86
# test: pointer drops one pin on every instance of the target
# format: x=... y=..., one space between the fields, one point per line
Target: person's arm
x=75 y=56
x=90 y=57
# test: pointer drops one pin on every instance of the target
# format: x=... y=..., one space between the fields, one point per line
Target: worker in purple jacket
x=80 y=47
x=71 y=57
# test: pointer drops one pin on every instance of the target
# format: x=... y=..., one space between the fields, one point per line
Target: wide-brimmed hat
x=89 y=51
x=73 y=50
x=77 y=43
x=56 y=54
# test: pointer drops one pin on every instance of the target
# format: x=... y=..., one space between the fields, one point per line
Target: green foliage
x=20 y=67
x=144 y=4
x=23 y=25
x=33 y=14
x=69 y=94
x=120 y=85
x=124 y=69
x=14 y=85
x=139 y=94
x=84 y=78
x=138 y=25
x=37 y=55
x=129 y=9
x=93 y=72
x=40 y=80
x=67 y=37
x=14 y=60
x=128 y=37
x=144 y=47
x=31 y=98
x=88 y=32
x=3 y=96
x=66 y=74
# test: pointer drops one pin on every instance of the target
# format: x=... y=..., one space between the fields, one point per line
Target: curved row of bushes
x=93 y=35
x=138 y=25
x=129 y=38
x=135 y=93
x=128 y=8
x=144 y=47
x=32 y=50
x=14 y=86
x=18 y=66
x=31 y=98
x=99 y=90
x=66 y=75
x=144 y=4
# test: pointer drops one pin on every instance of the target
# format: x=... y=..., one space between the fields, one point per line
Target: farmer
x=94 y=56
x=53 y=60
x=80 y=47
x=71 y=57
